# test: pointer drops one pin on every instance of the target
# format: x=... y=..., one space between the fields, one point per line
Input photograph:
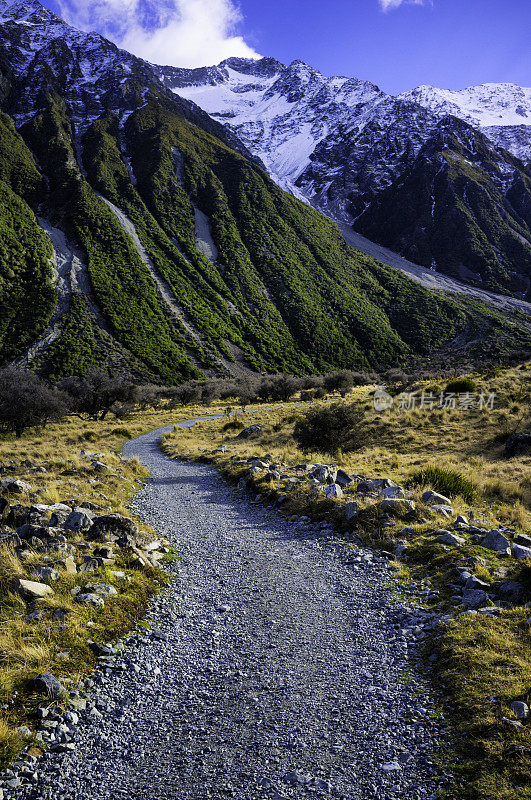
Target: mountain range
x=142 y=232
x=437 y=176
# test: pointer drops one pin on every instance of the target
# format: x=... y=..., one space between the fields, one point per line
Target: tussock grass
x=446 y=481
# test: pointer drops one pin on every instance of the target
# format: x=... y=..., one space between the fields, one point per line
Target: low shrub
x=234 y=425
x=125 y=432
x=327 y=430
x=446 y=481
x=460 y=385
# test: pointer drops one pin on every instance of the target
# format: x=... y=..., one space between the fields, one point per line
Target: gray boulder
x=334 y=490
x=444 y=511
x=320 y=473
x=80 y=519
x=520 y=709
x=397 y=506
x=15 y=486
x=432 y=498
x=451 y=539
x=494 y=540
x=90 y=599
x=343 y=478
x=473 y=598
x=250 y=432
x=48 y=685
x=523 y=539
x=33 y=590
x=512 y=591
x=477 y=583
x=375 y=485
x=351 y=510
x=521 y=552
x=46 y=573
x=115 y=528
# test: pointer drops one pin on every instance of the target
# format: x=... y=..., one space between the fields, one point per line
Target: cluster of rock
x=71 y=540
x=391 y=501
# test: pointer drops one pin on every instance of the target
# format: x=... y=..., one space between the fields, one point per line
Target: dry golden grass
x=30 y=647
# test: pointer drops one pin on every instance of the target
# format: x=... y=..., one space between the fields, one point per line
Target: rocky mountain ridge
x=340 y=143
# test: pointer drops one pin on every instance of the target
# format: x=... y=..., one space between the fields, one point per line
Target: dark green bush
x=327 y=430
x=460 y=385
x=446 y=481
x=234 y=425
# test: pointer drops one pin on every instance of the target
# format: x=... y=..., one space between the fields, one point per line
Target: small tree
x=327 y=430
x=99 y=392
x=26 y=401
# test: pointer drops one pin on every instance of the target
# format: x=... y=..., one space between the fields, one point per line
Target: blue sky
x=397 y=44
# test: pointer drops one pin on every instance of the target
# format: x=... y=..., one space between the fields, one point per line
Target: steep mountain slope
x=341 y=142
x=450 y=209
x=177 y=252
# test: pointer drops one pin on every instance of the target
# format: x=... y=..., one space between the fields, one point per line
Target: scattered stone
x=250 y=432
x=473 y=598
x=15 y=486
x=67 y=564
x=375 y=485
x=334 y=490
x=32 y=590
x=90 y=599
x=432 y=498
x=296 y=779
x=351 y=510
x=343 y=478
x=48 y=685
x=494 y=540
x=520 y=709
x=521 y=552
x=444 y=511
x=46 y=573
x=451 y=539
x=397 y=506
x=80 y=519
x=476 y=583
x=513 y=591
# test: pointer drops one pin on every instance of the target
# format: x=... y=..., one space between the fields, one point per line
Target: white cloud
x=185 y=33
x=387 y=5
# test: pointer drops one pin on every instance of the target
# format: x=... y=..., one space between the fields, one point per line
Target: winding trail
x=276 y=669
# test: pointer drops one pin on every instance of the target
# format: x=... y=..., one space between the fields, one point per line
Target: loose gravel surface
x=276 y=666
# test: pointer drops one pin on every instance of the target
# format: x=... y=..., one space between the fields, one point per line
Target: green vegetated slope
x=285 y=290
x=27 y=295
x=454 y=208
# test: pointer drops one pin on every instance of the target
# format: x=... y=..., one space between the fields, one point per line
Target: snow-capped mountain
x=341 y=143
x=501 y=110
x=282 y=113
x=336 y=139
x=490 y=104
x=175 y=253
x=39 y=51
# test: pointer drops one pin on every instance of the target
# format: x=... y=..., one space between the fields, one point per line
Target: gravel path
x=274 y=667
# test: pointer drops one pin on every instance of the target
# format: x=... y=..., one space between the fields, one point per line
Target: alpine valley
x=145 y=223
